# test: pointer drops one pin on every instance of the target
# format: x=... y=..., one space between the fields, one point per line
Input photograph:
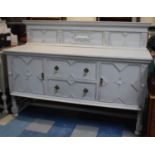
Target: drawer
x=83 y=37
x=77 y=90
x=58 y=88
x=84 y=91
x=65 y=68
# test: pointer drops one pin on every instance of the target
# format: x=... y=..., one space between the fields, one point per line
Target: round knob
x=56 y=68
x=85 y=90
x=57 y=87
x=86 y=70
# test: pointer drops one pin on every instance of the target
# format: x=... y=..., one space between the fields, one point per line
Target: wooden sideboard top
x=109 y=52
x=87 y=23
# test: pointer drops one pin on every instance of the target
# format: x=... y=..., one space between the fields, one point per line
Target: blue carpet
x=64 y=123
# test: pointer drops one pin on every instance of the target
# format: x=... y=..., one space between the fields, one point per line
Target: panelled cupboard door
x=26 y=74
x=120 y=83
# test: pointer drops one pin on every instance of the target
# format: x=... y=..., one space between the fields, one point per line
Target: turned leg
x=139 y=123
x=14 y=108
x=5 y=108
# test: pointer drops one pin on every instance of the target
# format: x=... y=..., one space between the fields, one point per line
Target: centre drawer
x=75 y=69
x=83 y=37
x=79 y=90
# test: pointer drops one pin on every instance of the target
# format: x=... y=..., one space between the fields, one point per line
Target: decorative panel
x=121 y=83
x=124 y=39
x=25 y=74
x=83 y=37
x=42 y=36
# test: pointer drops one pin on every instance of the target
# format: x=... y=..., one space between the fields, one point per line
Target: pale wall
x=148 y=20
x=143 y=19
x=81 y=18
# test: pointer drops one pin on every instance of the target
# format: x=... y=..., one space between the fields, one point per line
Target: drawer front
x=84 y=91
x=83 y=37
x=58 y=88
x=76 y=90
x=64 y=69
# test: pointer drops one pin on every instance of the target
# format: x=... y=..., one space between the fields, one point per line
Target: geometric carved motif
x=27 y=60
x=119 y=82
x=135 y=83
x=119 y=100
x=15 y=74
x=120 y=66
x=135 y=86
x=70 y=62
x=70 y=80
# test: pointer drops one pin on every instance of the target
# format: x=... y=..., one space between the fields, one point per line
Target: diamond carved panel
x=26 y=73
x=121 y=83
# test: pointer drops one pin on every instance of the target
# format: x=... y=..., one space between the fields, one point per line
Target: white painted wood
x=121 y=83
x=106 y=53
x=87 y=33
x=87 y=63
x=25 y=74
x=83 y=37
x=77 y=101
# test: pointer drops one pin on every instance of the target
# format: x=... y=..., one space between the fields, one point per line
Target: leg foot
x=5 y=108
x=14 y=108
x=139 y=123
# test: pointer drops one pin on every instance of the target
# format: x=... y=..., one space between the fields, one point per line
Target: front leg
x=5 y=108
x=14 y=108
x=139 y=123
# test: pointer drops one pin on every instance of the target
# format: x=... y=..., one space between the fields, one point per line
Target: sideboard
x=101 y=64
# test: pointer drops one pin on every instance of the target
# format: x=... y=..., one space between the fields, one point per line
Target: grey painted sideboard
x=101 y=64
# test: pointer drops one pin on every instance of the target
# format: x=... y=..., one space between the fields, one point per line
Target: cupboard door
x=120 y=83
x=26 y=74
